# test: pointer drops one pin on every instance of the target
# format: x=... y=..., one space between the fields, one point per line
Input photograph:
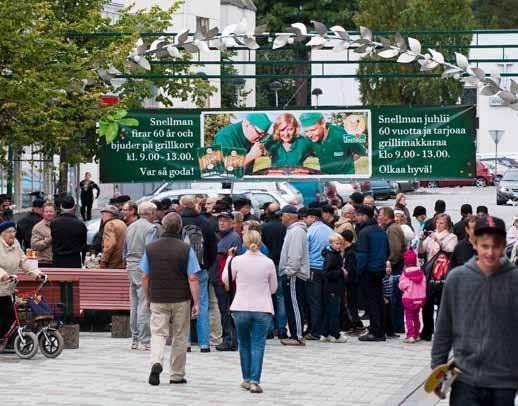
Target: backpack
x=193 y=235
x=440 y=267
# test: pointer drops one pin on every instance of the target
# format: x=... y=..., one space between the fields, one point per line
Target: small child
x=388 y=287
x=334 y=285
x=413 y=285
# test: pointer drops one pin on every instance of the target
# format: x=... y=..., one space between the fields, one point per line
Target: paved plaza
x=104 y=371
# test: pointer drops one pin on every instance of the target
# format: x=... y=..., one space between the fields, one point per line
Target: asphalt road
x=454 y=198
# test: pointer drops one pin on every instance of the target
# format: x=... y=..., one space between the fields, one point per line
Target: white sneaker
x=341 y=339
x=324 y=339
x=409 y=340
x=134 y=345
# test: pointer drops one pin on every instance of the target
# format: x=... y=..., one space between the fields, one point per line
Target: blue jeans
x=202 y=322
x=463 y=394
x=252 y=328
x=279 y=320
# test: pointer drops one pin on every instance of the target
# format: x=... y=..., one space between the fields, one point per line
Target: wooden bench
x=99 y=289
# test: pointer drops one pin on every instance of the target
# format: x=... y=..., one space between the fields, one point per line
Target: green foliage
x=495 y=13
x=279 y=14
x=229 y=99
x=213 y=123
x=109 y=124
x=54 y=92
x=413 y=15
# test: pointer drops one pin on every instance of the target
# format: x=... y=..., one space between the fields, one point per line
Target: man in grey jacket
x=294 y=271
x=139 y=234
x=478 y=319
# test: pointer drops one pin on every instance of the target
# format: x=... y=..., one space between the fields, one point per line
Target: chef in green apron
x=335 y=154
x=287 y=148
x=245 y=134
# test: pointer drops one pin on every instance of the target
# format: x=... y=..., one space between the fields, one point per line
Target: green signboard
x=162 y=146
x=381 y=142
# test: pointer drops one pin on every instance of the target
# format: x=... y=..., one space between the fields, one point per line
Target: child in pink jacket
x=413 y=285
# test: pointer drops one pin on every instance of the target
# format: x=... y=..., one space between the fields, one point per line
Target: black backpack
x=193 y=235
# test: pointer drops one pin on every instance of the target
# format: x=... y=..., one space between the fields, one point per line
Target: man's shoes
x=255 y=388
x=224 y=347
x=324 y=339
x=370 y=337
x=134 y=345
x=245 y=385
x=154 y=376
x=340 y=339
x=270 y=336
x=207 y=349
x=293 y=341
x=178 y=382
x=311 y=337
x=188 y=349
x=358 y=331
x=283 y=335
x=393 y=335
x=425 y=337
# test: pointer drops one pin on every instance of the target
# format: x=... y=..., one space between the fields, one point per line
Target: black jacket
x=462 y=253
x=211 y=220
x=210 y=243
x=334 y=280
x=87 y=190
x=273 y=237
x=459 y=229
x=68 y=235
x=350 y=265
x=24 y=228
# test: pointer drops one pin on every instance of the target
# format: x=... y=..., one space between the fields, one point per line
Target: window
x=202 y=24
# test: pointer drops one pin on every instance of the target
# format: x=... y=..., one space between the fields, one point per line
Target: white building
x=492 y=115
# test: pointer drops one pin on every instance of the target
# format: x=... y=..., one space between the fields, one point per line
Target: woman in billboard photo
x=286 y=147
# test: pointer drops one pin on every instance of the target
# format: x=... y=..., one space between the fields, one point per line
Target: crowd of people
x=295 y=274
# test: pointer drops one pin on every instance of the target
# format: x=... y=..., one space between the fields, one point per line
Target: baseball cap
x=490 y=224
x=38 y=203
x=309 y=119
x=259 y=120
x=226 y=214
x=289 y=209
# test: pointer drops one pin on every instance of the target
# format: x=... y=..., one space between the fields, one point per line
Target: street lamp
x=317 y=92
x=238 y=83
x=276 y=86
x=496 y=136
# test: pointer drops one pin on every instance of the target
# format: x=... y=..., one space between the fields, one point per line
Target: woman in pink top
x=252 y=307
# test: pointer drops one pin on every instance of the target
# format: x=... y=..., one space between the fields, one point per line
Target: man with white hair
x=139 y=234
x=346 y=221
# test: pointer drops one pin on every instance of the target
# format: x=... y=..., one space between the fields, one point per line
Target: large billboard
x=380 y=142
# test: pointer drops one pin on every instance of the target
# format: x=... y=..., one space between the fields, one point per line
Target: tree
x=50 y=86
x=276 y=15
x=495 y=13
x=412 y=15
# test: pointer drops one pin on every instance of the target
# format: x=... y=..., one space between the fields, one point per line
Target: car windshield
x=511 y=175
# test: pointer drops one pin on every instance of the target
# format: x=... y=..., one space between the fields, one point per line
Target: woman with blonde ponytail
x=252 y=308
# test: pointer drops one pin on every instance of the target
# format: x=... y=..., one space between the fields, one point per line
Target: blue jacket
x=318 y=235
x=371 y=248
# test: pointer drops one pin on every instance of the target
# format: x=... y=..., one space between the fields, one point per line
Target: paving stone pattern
x=104 y=371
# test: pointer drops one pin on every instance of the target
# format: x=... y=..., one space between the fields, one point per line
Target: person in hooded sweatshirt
x=333 y=289
x=413 y=285
x=479 y=322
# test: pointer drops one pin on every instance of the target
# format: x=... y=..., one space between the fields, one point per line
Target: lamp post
x=276 y=86
x=496 y=136
x=317 y=92
x=239 y=83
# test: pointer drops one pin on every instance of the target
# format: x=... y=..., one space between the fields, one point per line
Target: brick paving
x=104 y=371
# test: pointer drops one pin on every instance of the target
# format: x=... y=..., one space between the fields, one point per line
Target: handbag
x=230 y=288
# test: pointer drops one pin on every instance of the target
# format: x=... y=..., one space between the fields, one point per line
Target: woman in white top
x=401 y=219
x=252 y=308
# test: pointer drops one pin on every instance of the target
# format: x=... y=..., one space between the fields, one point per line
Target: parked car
x=405 y=186
x=499 y=168
x=483 y=178
x=381 y=189
x=508 y=188
x=311 y=190
x=342 y=190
